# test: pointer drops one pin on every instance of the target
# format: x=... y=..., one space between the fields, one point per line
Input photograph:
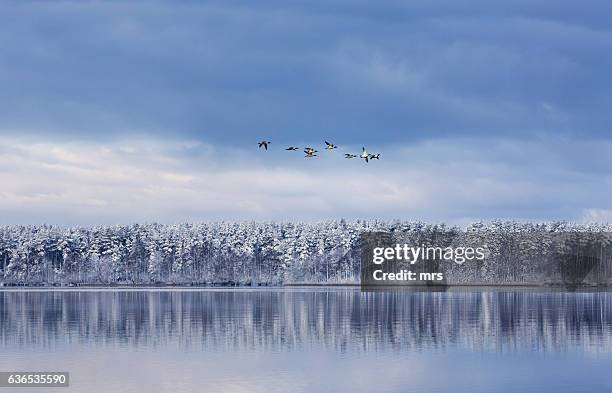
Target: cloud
x=452 y=180
x=597 y=216
x=232 y=72
x=139 y=111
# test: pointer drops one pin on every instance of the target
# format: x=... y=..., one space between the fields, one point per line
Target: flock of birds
x=310 y=152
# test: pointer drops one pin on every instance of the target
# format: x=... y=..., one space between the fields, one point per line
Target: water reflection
x=286 y=320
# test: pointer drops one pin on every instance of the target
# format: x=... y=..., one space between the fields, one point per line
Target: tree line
x=275 y=253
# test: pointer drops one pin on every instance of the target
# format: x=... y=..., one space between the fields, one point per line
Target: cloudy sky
x=120 y=112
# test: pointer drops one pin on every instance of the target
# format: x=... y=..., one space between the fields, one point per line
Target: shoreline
x=137 y=287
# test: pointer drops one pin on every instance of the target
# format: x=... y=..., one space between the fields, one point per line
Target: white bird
x=330 y=146
x=365 y=155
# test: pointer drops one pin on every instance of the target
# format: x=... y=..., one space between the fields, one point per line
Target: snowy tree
x=269 y=253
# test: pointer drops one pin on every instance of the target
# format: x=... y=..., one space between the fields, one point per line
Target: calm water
x=311 y=340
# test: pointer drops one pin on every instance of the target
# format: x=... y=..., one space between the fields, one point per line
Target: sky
x=117 y=112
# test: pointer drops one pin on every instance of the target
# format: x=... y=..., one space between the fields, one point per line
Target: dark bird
x=310 y=154
x=365 y=155
x=292 y=148
x=330 y=146
x=264 y=144
x=308 y=150
x=347 y=155
x=375 y=156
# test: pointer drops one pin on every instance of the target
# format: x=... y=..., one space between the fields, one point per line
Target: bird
x=292 y=148
x=364 y=155
x=330 y=146
x=310 y=154
x=264 y=144
x=375 y=156
x=348 y=155
x=308 y=150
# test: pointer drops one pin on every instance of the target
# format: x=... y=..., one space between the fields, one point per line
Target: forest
x=278 y=253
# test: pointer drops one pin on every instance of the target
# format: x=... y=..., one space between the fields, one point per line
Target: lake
x=311 y=339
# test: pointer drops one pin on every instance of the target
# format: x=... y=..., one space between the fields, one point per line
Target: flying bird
x=330 y=146
x=365 y=155
x=292 y=148
x=310 y=154
x=264 y=144
x=347 y=155
x=375 y=156
x=308 y=150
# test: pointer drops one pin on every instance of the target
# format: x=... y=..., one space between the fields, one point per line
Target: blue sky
x=498 y=109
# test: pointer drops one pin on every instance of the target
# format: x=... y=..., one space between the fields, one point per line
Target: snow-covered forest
x=274 y=253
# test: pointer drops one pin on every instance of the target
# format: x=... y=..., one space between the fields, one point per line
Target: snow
x=275 y=253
